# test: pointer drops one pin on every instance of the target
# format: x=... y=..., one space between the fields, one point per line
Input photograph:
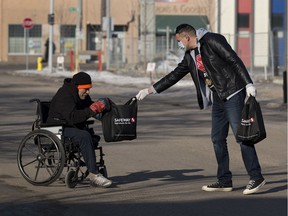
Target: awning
x=162 y=21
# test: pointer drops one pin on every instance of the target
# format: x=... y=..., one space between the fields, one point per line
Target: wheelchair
x=44 y=153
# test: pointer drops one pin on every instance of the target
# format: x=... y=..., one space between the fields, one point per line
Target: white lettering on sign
x=124 y=120
x=180 y=9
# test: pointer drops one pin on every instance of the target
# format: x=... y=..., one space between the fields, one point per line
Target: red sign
x=27 y=23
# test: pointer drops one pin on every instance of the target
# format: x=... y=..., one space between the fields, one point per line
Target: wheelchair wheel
x=41 y=157
x=71 y=179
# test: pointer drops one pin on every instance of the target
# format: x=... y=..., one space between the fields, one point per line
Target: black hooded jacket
x=66 y=105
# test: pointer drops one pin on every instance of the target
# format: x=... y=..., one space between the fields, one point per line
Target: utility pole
x=145 y=36
x=51 y=23
x=78 y=35
x=147 y=28
x=285 y=79
x=108 y=34
x=218 y=15
x=1 y=29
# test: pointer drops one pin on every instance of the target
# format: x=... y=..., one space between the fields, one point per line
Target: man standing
x=73 y=104
x=46 y=54
x=220 y=79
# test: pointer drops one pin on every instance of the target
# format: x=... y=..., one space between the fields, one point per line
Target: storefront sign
x=179 y=9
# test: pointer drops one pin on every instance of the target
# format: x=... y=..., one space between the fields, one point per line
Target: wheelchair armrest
x=61 y=123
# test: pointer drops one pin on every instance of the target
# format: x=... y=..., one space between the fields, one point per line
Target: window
x=93 y=37
x=23 y=41
x=68 y=38
x=243 y=20
x=277 y=20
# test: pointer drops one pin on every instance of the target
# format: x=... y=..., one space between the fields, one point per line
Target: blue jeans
x=225 y=113
x=84 y=139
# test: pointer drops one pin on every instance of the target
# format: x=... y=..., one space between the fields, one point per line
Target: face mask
x=181 y=45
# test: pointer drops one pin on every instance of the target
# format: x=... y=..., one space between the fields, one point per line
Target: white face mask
x=181 y=45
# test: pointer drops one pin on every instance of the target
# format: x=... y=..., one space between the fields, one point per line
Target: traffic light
x=51 y=18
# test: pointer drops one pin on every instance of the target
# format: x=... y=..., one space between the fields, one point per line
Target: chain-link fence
x=262 y=53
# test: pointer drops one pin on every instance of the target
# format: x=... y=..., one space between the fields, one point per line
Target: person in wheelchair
x=73 y=105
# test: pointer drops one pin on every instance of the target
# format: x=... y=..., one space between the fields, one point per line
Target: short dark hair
x=185 y=28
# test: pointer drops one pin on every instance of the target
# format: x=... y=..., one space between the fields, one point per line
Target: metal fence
x=263 y=53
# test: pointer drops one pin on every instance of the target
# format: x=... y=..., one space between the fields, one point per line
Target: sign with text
x=151 y=67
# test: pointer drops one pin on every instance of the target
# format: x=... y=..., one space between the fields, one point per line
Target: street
x=159 y=173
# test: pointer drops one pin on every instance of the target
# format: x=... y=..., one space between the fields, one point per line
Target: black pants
x=84 y=138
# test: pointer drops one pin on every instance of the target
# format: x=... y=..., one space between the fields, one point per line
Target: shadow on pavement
x=165 y=175
x=248 y=206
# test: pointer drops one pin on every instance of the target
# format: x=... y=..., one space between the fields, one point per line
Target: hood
x=200 y=33
x=68 y=82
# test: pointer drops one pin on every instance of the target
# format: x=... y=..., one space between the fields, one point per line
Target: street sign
x=27 y=23
x=105 y=23
x=151 y=67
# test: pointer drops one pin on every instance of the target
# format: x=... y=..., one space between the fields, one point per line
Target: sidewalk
x=272 y=88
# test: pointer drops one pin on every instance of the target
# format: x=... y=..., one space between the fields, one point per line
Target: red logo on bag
x=133 y=120
x=252 y=120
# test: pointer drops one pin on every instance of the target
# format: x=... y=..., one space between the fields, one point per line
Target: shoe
x=218 y=186
x=98 y=180
x=253 y=186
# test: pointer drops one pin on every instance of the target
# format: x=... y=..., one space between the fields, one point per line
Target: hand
x=142 y=94
x=106 y=102
x=250 y=90
x=97 y=107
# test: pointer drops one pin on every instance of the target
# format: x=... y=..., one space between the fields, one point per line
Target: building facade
x=141 y=30
x=86 y=15
x=134 y=24
x=257 y=30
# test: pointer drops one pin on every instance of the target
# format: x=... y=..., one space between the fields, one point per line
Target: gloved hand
x=106 y=102
x=250 y=90
x=97 y=106
x=142 y=94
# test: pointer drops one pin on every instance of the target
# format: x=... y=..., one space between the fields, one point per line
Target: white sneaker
x=98 y=180
x=254 y=186
x=218 y=186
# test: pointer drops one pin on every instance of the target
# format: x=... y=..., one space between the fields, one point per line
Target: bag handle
x=131 y=101
x=251 y=104
x=251 y=100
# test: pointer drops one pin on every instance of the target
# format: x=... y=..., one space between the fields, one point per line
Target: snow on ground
x=103 y=76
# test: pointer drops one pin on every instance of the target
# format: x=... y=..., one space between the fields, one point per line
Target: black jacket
x=224 y=67
x=66 y=105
